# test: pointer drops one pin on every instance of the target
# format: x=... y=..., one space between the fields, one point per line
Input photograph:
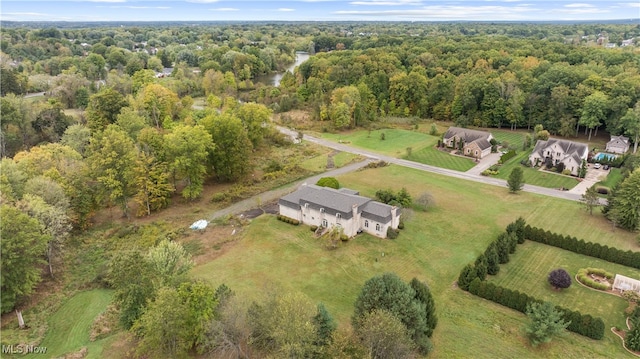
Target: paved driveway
x=486 y=162
x=593 y=176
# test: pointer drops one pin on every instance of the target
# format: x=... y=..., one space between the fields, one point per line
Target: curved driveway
x=427 y=168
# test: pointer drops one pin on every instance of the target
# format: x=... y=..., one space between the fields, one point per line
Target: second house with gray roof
x=327 y=207
x=554 y=151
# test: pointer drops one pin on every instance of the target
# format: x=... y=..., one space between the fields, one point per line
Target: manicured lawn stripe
x=70 y=326
x=528 y=269
x=534 y=176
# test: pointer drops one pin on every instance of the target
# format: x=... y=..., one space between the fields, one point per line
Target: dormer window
x=321 y=210
x=338 y=215
x=306 y=206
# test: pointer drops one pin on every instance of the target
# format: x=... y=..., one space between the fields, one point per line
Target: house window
x=338 y=215
x=366 y=224
x=476 y=152
x=325 y=224
x=378 y=227
x=321 y=210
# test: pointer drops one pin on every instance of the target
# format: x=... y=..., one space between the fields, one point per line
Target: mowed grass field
x=534 y=176
x=528 y=269
x=70 y=326
x=396 y=143
x=433 y=247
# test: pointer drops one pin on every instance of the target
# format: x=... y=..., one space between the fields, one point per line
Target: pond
x=274 y=79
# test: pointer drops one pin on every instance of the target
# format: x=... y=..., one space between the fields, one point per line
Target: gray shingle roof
x=337 y=201
x=569 y=148
x=469 y=136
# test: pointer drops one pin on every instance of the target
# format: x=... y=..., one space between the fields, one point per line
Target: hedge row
x=610 y=254
x=585 y=325
x=583 y=277
x=507 y=156
x=472 y=279
x=285 y=219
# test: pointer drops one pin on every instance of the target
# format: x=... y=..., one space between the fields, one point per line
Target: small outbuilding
x=623 y=283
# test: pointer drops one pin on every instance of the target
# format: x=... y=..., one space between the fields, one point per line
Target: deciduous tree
x=559 y=279
x=385 y=336
x=590 y=199
x=23 y=245
x=231 y=156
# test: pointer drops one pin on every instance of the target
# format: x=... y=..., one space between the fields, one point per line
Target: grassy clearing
x=319 y=162
x=534 y=176
x=513 y=138
x=532 y=262
x=613 y=178
x=70 y=326
x=434 y=157
x=433 y=247
x=395 y=143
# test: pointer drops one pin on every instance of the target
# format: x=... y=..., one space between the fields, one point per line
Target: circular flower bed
x=595 y=278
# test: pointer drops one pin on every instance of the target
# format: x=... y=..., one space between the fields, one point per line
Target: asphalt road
x=427 y=168
x=273 y=195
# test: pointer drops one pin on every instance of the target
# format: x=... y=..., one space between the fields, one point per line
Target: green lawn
x=434 y=157
x=433 y=247
x=319 y=162
x=528 y=269
x=396 y=142
x=613 y=178
x=69 y=326
x=514 y=138
x=534 y=176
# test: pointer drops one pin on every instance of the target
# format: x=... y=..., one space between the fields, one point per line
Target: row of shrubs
x=610 y=254
x=489 y=172
x=472 y=279
x=583 y=324
x=584 y=278
x=286 y=219
x=507 y=156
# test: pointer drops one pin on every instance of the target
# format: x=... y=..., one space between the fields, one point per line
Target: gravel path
x=273 y=195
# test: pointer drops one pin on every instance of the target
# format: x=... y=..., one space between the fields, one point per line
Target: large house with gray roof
x=474 y=143
x=554 y=151
x=328 y=207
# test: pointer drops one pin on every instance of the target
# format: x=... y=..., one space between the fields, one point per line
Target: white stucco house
x=618 y=144
x=476 y=143
x=328 y=207
x=554 y=151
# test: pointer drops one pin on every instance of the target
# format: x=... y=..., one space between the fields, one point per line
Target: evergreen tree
x=467 y=275
x=481 y=267
x=325 y=326
x=625 y=205
x=502 y=248
x=546 y=322
x=515 y=182
x=388 y=292
x=491 y=254
x=423 y=294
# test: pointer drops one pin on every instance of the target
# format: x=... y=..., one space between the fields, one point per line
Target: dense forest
x=107 y=116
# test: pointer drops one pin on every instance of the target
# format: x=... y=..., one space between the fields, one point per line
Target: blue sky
x=317 y=10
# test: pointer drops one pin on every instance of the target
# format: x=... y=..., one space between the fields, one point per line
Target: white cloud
x=630 y=4
x=387 y=2
x=202 y=1
x=449 y=12
x=225 y=9
x=576 y=5
x=284 y=9
x=138 y=7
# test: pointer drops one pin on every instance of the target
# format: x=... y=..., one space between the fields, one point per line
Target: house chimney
x=394 y=217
